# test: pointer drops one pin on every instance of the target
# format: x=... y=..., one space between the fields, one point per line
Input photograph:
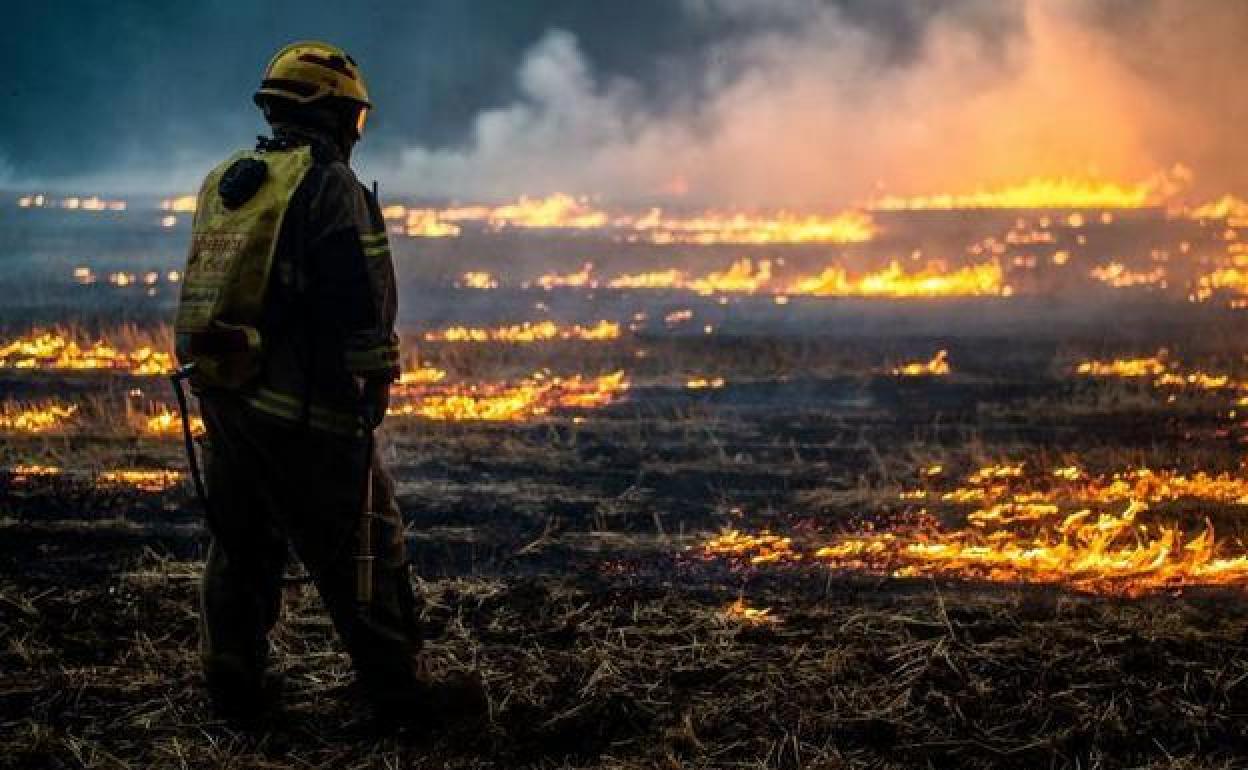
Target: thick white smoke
x=812 y=112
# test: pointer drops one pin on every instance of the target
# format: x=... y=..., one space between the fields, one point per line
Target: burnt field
x=764 y=549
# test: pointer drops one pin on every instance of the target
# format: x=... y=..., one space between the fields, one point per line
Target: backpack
x=238 y=218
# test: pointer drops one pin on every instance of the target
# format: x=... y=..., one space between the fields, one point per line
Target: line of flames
x=142 y=479
x=533 y=396
x=1044 y=535
x=540 y=331
x=745 y=276
x=58 y=350
x=1164 y=373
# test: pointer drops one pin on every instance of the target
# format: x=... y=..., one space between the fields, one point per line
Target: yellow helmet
x=310 y=70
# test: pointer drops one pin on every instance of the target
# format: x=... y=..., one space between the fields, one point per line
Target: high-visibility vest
x=231 y=257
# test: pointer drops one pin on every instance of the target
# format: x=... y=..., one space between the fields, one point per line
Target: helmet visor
x=361 y=118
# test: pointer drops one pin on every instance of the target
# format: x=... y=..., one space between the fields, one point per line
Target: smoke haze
x=748 y=102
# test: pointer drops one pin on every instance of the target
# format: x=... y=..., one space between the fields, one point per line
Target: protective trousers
x=270 y=484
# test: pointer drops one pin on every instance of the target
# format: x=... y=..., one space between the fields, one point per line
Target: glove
x=374 y=400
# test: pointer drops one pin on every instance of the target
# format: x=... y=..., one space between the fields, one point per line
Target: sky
x=750 y=102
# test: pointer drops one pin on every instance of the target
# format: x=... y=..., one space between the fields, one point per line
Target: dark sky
x=98 y=87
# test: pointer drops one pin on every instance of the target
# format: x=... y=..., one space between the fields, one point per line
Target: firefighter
x=287 y=313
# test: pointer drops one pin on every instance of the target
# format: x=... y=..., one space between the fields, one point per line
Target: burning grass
x=540 y=331
x=1069 y=528
x=127 y=350
x=534 y=396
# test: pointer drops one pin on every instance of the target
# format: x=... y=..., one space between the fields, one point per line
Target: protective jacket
x=289 y=299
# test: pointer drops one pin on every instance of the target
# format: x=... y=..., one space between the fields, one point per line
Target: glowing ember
x=938 y=366
x=533 y=397
x=934 y=281
x=528 y=332
x=58 y=350
x=35 y=418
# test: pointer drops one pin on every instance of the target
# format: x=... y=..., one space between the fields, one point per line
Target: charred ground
x=559 y=556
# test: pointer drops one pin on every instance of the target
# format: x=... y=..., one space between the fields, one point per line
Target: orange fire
x=938 y=366
x=784 y=227
x=534 y=396
x=703 y=383
x=477 y=280
x=142 y=479
x=933 y=281
x=528 y=332
x=741 y=612
x=35 y=418
x=60 y=351
x=1039 y=193
x=165 y=423
x=1125 y=367
x=1086 y=532
x=581 y=279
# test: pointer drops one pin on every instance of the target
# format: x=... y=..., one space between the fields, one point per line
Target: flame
x=784 y=227
x=167 y=423
x=741 y=612
x=23 y=473
x=1125 y=367
x=578 y=280
x=701 y=383
x=1227 y=207
x=1118 y=276
x=741 y=276
x=501 y=401
x=423 y=223
x=566 y=212
x=1165 y=374
x=659 y=279
x=938 y=366
x=933 y=281
x=1073 y=529
x=60 y=351
x=477 y=280
x=1037 y=193
x=425 y=375
x=761 y=548
x=35 y=418
x=142 y=479
x=182 y=204
x=528 y=332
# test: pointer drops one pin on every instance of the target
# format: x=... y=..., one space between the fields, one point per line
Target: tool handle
x=192 y=458
x=364 y=557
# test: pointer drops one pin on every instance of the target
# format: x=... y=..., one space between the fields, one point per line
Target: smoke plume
x=813 y=109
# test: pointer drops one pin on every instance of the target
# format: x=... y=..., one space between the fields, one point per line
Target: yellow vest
x=228 y=267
